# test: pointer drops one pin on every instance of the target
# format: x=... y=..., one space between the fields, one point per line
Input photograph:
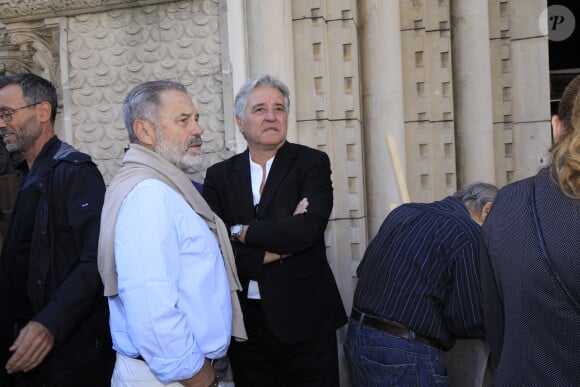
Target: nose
x=197 y=129
x=270 y=115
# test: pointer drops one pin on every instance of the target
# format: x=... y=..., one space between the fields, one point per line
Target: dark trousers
x=262 y=360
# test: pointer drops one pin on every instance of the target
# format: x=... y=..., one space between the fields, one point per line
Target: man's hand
x=272 y=257
x=32 y=345
x=203 y=378
x=302 y=207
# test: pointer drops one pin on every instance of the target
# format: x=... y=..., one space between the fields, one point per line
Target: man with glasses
x=54 y=319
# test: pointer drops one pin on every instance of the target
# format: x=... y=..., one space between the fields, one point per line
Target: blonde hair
x=566 y=152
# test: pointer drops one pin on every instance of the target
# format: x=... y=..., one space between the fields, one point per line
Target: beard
x=24 y=138
x=180 y=156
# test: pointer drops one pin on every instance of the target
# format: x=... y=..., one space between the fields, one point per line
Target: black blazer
x=299 y=293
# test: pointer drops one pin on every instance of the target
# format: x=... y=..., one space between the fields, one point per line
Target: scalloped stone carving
x=111 y=52
x=111 y=46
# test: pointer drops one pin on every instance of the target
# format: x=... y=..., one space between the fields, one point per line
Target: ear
x=240 y=124
x=479 y=218
x=144 y=131
x=557 y=127
x=43 y=110
x=485 y=211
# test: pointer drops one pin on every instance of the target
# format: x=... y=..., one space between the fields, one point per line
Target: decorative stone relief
x=14 y=60
x=111 y=52
x=32 y=48
x=428 y=104
x=24 y=10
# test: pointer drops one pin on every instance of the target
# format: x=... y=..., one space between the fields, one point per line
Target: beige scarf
x=140 y=164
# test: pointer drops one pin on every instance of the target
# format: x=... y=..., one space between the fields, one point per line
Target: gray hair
x=475 y=196
x=259 y=81
x=35 y=89
x=143 y=102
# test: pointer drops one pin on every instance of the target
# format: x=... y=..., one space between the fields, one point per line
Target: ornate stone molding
x=13 y=59
x=32 y=47
x=12 y=11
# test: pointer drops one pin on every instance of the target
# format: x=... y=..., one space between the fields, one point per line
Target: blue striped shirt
x=422 y=270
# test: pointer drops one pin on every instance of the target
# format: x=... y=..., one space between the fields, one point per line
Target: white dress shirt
x=257 y=174
x=173 y=306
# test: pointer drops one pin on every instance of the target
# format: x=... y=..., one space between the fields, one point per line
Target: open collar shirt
x=173 y=307
x=257 y=175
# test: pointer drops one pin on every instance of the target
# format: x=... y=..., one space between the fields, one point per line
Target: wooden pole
x=399 y=174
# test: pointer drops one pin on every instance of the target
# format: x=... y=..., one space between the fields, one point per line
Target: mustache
x=195 y=141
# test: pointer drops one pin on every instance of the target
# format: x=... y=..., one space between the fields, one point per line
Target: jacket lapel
x=242 y=185
x=280 y=168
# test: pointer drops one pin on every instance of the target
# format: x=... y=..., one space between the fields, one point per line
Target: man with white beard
x=161 y=249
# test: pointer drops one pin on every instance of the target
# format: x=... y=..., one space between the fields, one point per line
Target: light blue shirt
x=173 y=307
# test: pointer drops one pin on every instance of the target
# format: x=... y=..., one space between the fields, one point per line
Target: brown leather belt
x=392 y=328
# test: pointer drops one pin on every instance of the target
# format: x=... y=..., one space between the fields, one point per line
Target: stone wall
x=95 y=52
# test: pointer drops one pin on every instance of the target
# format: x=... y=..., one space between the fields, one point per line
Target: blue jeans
x=379 y=359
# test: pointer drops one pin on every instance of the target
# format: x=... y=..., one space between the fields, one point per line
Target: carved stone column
x=383 y=105
x=472 y=92
x=270 y=46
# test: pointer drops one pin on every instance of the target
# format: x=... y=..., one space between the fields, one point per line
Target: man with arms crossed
x=277 y=198
x=159 y=257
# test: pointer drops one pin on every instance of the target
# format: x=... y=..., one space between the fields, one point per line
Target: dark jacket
x=531 y=328
x=299 y=294
x=8 y=161
x=63 y=288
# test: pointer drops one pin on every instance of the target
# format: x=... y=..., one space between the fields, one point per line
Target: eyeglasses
x=6 y=115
